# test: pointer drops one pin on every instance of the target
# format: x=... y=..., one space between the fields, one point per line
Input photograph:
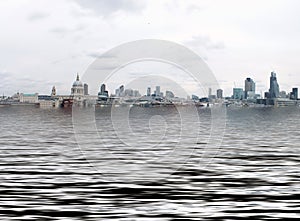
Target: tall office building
x=209 y=92
x=274 y=87
x=103 y=93
x=249 y=87
x=294 y=94
x=157 y=91
x=86 y=89
x=219 y=93
x=122 y=90
x=149 y=91
x=102 y=88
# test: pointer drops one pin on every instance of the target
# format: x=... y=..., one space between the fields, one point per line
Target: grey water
x=160 y=163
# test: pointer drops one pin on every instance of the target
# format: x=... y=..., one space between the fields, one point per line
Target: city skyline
x=242 y=92
x=50 y=52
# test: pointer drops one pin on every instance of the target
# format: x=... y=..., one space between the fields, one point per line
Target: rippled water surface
x=154 y=169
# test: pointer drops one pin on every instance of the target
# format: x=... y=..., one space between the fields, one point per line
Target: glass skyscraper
x=249 y=86
x=274 y=87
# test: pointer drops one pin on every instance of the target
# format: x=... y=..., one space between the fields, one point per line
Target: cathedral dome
x=77 y=83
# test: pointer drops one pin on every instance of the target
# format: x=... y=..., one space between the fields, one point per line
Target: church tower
x=53 y=92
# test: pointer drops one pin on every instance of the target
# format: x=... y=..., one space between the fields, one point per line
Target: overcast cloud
x=48 y=42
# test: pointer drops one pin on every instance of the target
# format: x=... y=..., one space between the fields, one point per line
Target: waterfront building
x=281 y=102
x=219 y=93
x=249 y=87
x=274 y=86
x=238 y=93
x=204 y=100
x=28 y=98
x=47 y=101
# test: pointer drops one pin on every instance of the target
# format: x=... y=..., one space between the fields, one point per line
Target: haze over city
x=45 y=43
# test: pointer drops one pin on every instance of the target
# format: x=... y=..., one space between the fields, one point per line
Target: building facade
x=86 y=89
x=274 y=86
x=77 y=89
x=219 y=93
x=249 y=87
x=294 y=94
x=149 y=91
x=157 y=91
x=103 y=93
x=238 y=93
x=28 y=98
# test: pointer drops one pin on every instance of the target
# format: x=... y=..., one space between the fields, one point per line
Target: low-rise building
x=28 y=98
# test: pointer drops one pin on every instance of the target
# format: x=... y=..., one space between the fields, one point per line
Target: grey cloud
x=106 y=8
x=205 y=42
x=37 y=16
x=66 y=30
x=10 y=84
x=62 y=30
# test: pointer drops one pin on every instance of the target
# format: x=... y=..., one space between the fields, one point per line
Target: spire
x=53 y=92
x=77 y=79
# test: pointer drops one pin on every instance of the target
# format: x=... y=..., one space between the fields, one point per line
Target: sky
x=45 y=43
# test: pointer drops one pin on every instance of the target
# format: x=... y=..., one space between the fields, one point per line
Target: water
x=44 y=175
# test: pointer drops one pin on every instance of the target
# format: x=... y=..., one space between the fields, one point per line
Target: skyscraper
x=209 y=92
x=86 y=89
x=249 y=86
x=294 y=94
x=157 y=91
x=274 y=87
x=219 y=93
x=149 y=91
x=103 y=93
x=122 y=89
x=102 y=88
